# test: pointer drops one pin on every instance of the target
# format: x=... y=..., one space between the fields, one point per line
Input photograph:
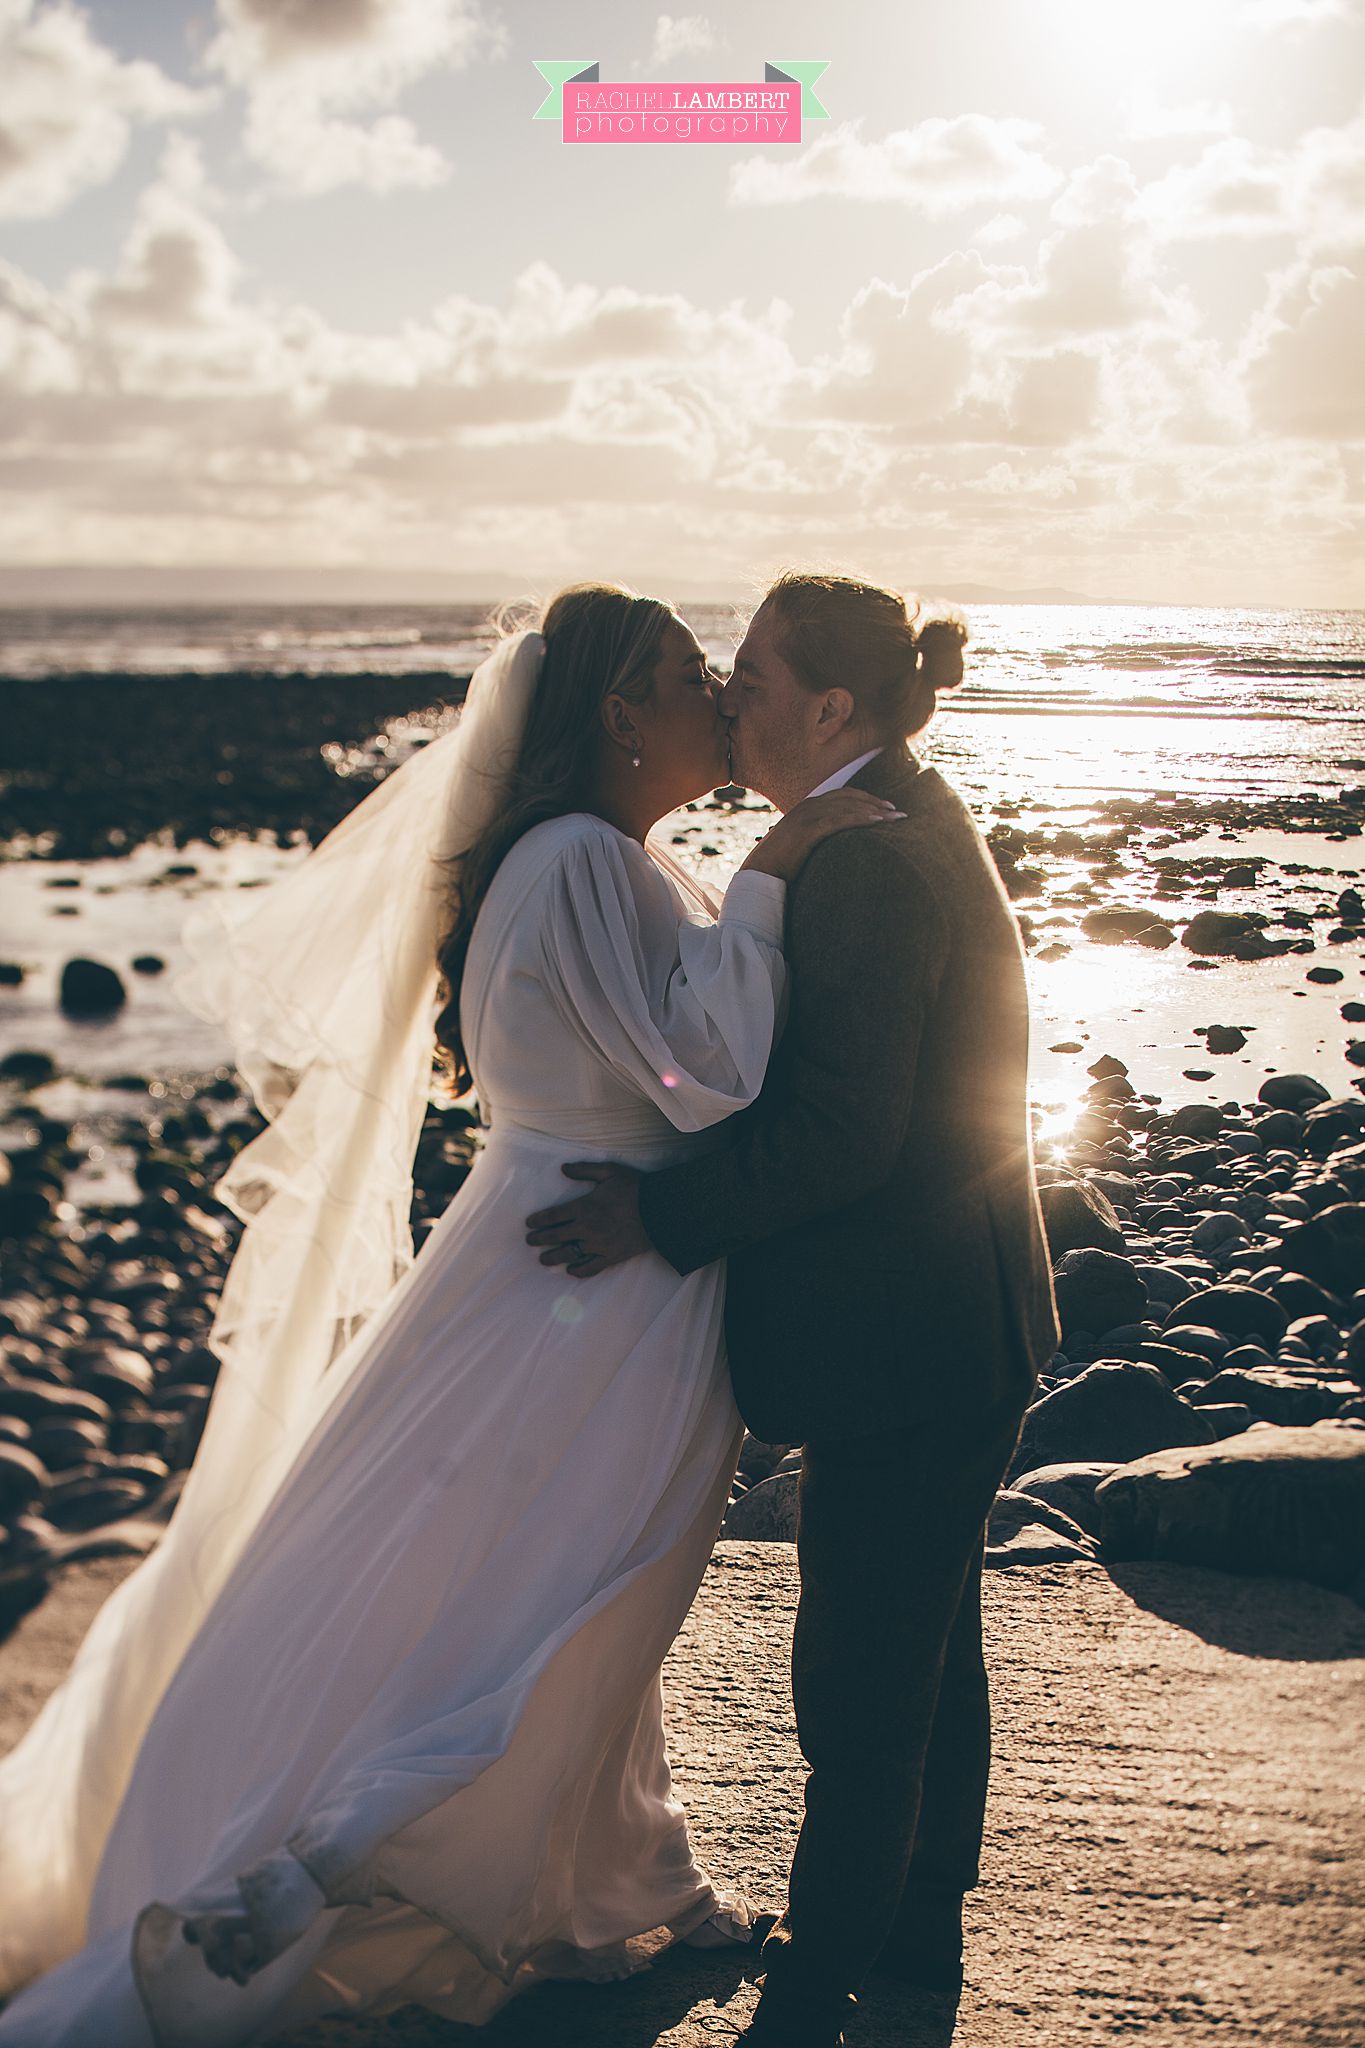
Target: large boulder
x=1079 y=1216
x=1237 y=1312
x=1098 y=1291
x=1329 y=1248
x=1271 y=1501
x=1024 y=1530
x=1111 y=1413
x=1068 y=1488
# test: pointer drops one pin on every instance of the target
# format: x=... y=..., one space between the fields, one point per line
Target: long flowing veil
x=326 y=984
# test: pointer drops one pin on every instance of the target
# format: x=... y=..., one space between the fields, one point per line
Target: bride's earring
x=635 y=759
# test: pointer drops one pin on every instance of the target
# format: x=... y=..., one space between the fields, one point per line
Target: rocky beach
x=1194 y=1459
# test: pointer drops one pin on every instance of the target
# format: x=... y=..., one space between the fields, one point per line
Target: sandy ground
x=1176 y=1845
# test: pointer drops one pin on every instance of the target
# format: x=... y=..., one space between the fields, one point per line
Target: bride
x=380 y=1721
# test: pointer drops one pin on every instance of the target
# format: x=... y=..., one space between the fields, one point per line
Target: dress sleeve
x=683 y=1009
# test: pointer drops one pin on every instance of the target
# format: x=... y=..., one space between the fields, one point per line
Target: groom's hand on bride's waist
x=597 y=1229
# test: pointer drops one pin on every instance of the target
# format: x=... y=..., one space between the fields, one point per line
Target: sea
x=1067 y=711
x=1235 y=702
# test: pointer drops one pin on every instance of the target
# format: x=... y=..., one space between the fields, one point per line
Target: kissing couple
x=379 y=1722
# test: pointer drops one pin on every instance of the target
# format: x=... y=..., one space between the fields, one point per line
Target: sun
x=1155 y=43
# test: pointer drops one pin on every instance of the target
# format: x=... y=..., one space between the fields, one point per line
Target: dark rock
x=1354 y=1359
x=1299 y=1296
x=1230 y=934
x=1317 y=1333
x=1241 y=1312
x=1025 y=1530
x=1226 y=1418
x=1174 y=1363
x=1077 y=1215
x=1096 y=1291
x=1225 y=1038
x=1219 y=1231
x=23 y=1479
x=62 y=1444
x=1070 y=1489
x=1282 y=1501
x=767 y=1513
x=1329 y=1248
x=1280 y=1128
x=1195 y=1120
x=1112 y=1412
x=28 y=1069
x=85 y=1504
x=148 y=963
x=114 y=1372
x=1111 y=925
x=90 y=989
x=759 y=1460
x=1248 y=1354
x=1324 y=974
x=1292 y=1091
x=1198 y=1337
x=1335 y=1123
x=11 y=974
x=1165 y=1287
x=42 y=1401
x=1276 y=1394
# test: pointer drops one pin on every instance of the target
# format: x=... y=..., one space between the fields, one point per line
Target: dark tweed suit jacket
x=877 y=1204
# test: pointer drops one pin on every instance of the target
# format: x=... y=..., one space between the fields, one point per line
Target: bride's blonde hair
x=600 y=640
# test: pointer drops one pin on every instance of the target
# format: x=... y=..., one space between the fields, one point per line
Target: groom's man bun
x=892 y=652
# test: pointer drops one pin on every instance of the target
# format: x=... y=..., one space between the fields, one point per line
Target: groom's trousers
x=892 y=1704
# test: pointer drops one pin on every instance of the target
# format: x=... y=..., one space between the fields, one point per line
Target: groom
x=889 y=1302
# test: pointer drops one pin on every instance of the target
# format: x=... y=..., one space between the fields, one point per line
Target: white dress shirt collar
x=846 y=773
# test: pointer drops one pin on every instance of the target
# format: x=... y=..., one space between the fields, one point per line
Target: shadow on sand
x=1286 y=1619
x=700 y=1995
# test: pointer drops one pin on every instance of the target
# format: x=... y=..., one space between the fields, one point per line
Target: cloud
x=176 y=270
x=309 y=69
x=1313 y=190
x=679 y=36
x=939 y=167
x=1301 y=360
x=68 y=105
x=1069 y=417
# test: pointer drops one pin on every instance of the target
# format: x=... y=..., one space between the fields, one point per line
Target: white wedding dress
x=425 y=1687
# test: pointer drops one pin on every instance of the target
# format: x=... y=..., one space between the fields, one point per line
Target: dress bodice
x=603 y=1005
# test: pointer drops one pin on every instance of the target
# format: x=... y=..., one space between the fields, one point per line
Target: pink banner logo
x=682 y=113
x=591 y=110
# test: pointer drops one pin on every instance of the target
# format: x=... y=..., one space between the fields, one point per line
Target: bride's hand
x=786 y=848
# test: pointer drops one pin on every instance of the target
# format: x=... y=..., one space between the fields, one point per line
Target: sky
x=1062 y=293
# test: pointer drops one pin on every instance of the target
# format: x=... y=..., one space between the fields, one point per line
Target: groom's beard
x=743 y=776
